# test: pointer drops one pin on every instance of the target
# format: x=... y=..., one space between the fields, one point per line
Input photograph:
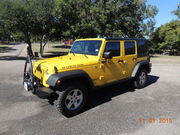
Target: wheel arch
x=70 y=76
x=142 y=64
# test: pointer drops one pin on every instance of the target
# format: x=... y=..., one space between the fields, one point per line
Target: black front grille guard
x=28 y=73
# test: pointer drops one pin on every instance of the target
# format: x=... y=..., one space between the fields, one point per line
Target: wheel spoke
x=140 y=82
x=69 y=97
x=69 y=105
x=142 y=78
x=75 y=92
x=79 y=97
x=76 y=104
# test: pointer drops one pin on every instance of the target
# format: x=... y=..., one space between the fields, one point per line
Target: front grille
x=38 y=82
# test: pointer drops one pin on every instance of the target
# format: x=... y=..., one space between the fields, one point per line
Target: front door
x=112 y=69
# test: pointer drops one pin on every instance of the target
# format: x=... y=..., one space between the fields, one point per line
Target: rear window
x=129 y=47
x=143 y=48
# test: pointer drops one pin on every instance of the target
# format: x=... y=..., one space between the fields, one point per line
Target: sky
x=165 y=8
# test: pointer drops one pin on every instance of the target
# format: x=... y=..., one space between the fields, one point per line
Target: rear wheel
x=72 y=99
x=141 y=79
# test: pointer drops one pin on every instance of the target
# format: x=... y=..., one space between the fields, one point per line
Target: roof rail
x=109 y=38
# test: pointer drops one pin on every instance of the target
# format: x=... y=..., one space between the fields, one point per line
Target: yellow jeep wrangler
x=90 y=64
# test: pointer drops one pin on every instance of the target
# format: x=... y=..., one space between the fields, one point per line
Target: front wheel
x=71 y=100
x=141 y=79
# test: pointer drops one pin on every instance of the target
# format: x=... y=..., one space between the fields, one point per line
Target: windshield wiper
x=72 y=53
x=85 y=55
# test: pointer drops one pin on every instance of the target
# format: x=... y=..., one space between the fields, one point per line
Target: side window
x=113 y=47
x=129 y=47
x=143 y=47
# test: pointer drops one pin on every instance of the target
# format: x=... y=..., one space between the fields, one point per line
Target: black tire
x=139 y=82
x=61 y=102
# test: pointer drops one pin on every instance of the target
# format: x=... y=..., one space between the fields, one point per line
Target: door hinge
x=101 y=77
x=124 y=72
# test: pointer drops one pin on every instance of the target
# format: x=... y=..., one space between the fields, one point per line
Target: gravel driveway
x=116 y=110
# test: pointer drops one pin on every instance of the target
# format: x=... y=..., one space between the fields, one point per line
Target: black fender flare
x=72 y=74
x=138 y=66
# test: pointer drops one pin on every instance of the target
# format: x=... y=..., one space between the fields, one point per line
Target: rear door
x=129 y=56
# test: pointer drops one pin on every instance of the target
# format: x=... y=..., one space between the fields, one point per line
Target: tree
x=20 y=15
x=44 y=21
x=177 y=11
x=167 y=36
x=73 y=16
x=5 y=32
x=122 y=18
x=31 y=18
x=70 y=19
x=5 y=26
x=126 y=18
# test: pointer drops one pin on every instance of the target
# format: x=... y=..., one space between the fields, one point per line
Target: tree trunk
x=42 y=45
x=41 y=49
x=30 y=49
x=28 y=41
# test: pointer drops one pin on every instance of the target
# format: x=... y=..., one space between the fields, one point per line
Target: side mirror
x=107 y=55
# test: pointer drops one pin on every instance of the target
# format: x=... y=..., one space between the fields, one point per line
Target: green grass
x=165 y=59
x=52 y=48
x=3 y=47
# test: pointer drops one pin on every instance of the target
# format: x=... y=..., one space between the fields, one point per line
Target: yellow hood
x=66 y=62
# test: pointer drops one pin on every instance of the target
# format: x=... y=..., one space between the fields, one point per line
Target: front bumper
x=44 y=92
x=40 y=91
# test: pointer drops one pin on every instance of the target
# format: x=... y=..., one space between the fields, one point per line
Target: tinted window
x=143 y=47
x=89 y=47
x=129 y=47
x=113 y=47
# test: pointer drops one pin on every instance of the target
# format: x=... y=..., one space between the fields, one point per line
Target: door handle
x=121 y=61
x=104 y=61
x=134 y=59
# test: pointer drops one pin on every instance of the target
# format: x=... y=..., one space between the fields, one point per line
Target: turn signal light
x=58 y=82
x=47 y=72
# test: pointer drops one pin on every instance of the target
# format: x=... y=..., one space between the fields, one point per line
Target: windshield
x=89 y=47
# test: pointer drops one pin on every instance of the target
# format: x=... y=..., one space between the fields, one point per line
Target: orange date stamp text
x=155 y=120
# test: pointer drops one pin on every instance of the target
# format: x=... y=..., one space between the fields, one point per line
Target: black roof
x=125 y=38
